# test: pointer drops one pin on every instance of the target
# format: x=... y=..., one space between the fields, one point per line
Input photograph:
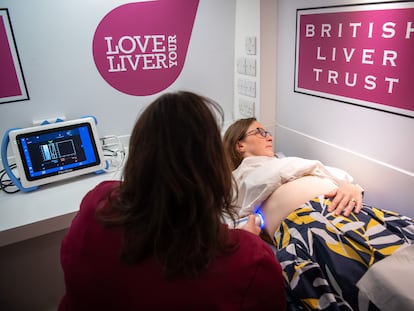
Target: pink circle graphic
x=140 y=48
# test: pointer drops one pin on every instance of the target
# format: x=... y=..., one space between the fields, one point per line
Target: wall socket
x=246 y=108
x=246 y=87
x=246 y=66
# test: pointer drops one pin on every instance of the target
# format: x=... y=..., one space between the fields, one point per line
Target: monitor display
x=56 y=151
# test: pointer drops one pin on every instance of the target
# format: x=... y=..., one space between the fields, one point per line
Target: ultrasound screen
x=57 y=151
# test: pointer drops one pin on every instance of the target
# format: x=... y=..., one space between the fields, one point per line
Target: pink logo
x=140 y=48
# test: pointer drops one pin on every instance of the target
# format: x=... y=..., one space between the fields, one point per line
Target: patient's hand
x=251 y=225
x=347 y=198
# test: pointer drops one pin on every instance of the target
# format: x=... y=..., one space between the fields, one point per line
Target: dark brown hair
x=232 y=136
x=177 y=186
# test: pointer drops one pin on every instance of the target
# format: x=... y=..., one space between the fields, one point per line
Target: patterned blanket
x=323 y=256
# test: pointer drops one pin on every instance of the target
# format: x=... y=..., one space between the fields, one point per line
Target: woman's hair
x=177 y=187
x=232 y=136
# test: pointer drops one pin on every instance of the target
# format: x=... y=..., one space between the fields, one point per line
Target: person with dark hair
x=156 y=240
x=325 y=237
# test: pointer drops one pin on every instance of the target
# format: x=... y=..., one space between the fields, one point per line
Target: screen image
x=57 y=151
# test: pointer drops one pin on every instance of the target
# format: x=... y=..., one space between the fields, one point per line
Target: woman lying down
x=326 y=238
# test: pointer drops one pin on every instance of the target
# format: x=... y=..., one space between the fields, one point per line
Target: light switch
x=250 y=44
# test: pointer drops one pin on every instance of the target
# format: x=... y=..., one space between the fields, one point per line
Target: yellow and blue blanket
x=323 y=256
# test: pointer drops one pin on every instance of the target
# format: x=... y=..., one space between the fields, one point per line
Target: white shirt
x=258 y=176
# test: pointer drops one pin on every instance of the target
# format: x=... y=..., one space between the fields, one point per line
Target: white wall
x=374 y=146
x=54 y=40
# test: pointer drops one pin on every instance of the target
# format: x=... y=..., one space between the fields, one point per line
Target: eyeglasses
x=257 y=131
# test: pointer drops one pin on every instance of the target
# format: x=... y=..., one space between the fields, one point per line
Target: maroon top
x=96 y=279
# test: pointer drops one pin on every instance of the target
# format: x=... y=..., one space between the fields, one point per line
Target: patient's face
x=255 y=144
